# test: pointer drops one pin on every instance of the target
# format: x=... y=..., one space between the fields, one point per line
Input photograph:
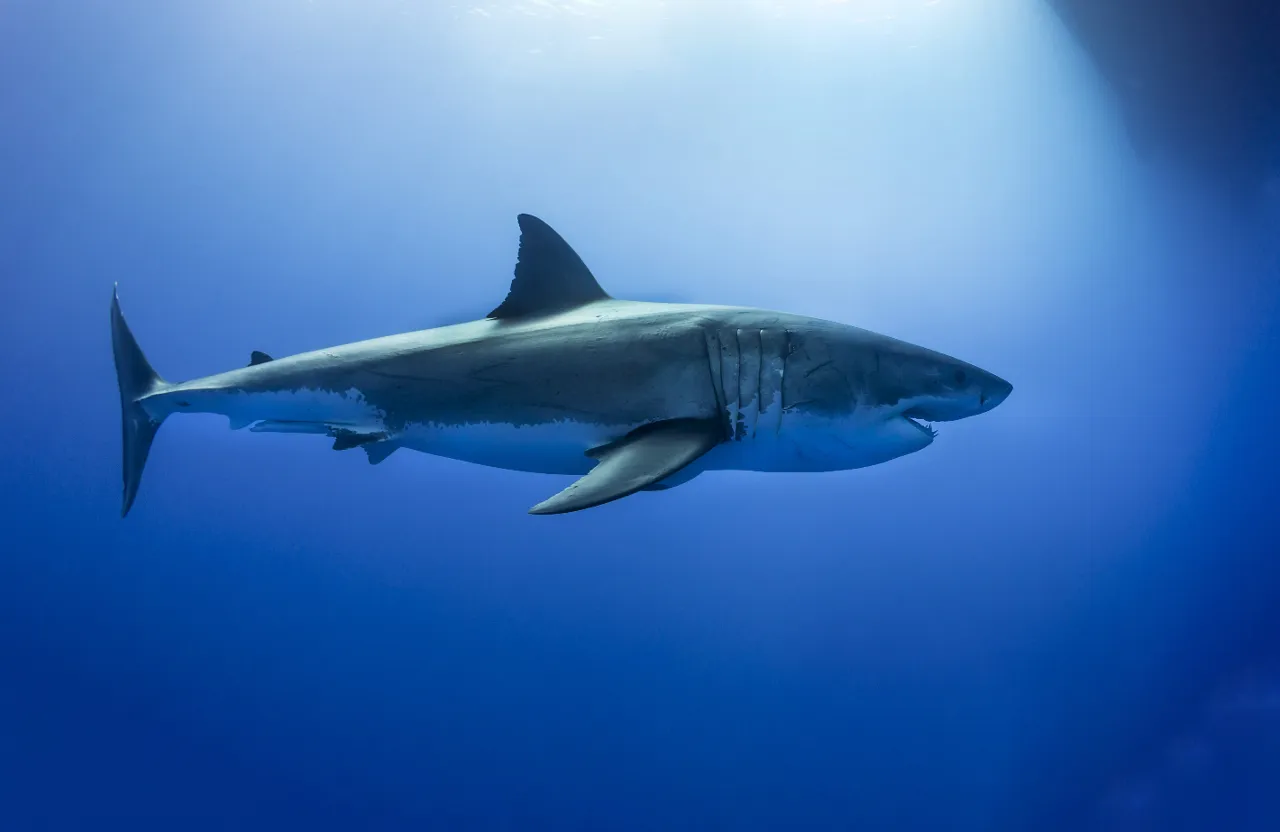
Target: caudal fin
x=136 y=379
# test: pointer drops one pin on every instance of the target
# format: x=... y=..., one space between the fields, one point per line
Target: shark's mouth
x=921 y=425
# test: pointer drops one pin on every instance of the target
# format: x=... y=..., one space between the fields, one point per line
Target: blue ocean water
x=1063 y=615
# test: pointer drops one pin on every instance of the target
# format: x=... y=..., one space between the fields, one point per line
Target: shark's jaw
x=921 y=425
x=923 y=412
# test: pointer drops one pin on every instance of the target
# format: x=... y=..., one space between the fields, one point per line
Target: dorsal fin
x=550 y=276
x=258 y=357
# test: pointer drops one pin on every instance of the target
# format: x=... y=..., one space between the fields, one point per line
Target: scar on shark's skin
x=562 y=378
x=821 y=366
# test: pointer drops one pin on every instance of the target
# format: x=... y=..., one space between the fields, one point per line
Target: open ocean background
x=1065 y=615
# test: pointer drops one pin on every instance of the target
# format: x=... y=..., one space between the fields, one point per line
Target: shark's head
x=858 y=398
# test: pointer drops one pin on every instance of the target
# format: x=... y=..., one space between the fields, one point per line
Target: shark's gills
x=748 y=370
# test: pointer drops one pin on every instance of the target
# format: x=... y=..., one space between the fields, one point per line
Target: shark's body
x=563 y=379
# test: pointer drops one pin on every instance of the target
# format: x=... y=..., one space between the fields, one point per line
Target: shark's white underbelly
x=304 y=405
x=557 y=447
x=769 y=442
x=548 y=448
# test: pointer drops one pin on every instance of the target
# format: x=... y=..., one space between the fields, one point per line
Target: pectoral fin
x=678 y=478
x=643 y=457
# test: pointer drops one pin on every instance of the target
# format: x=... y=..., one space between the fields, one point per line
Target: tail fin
x=136 y=380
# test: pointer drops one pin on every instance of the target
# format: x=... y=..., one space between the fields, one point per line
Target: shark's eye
x=960 y=376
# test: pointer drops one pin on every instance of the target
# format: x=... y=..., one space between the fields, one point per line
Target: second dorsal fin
x=550 y=276
x=258 y=357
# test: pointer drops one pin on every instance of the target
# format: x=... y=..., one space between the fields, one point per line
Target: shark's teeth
x=922 y=425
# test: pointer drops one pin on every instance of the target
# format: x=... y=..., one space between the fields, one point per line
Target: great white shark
x=561 y=378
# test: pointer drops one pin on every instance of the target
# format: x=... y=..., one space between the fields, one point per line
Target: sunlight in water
x=627 y=31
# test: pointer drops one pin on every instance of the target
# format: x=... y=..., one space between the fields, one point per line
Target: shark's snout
x=993 y=391
x=972 y=392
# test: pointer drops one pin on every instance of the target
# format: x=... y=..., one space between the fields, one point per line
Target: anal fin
x=376 y=443
x=378 y=451
x=345 y=440
x=642 y=458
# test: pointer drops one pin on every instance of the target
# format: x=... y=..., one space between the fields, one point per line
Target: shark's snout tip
x=996 y=393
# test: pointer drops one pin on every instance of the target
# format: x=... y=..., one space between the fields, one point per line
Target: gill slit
x=711 y=341
x=759 y=383
x=782 y=380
